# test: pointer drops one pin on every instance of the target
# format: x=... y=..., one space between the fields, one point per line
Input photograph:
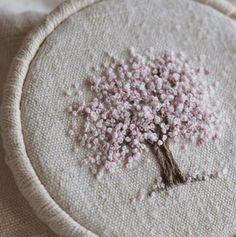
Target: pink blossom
x=146 y=99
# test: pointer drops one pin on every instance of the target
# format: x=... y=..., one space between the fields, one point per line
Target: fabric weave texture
x=61 y=51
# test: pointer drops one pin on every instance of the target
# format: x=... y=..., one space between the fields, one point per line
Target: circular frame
x=16 y=156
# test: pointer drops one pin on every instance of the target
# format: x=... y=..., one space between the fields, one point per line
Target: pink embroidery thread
x=144 y=102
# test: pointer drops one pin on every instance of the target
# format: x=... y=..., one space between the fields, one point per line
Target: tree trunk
x=170 y=171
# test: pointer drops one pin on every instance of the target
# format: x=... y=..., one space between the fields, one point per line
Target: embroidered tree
x=145 y=102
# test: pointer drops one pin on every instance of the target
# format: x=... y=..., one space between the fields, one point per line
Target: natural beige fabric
x=25 y=177
x=227 y=7
x=16 y=217
x=77 y=202
x=19 y=6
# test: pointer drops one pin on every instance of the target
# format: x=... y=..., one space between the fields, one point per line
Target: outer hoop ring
x=16 y=156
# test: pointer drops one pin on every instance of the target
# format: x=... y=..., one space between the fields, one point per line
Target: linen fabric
x=76 y=37
x=227 y=7
x=16 y=216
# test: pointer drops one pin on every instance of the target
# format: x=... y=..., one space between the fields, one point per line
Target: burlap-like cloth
x=64 y=195
x=16 y=216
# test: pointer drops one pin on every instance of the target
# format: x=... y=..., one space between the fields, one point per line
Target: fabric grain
x=61 y=51
x=16 y=216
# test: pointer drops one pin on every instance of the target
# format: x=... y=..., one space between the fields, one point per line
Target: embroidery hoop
x=27 y=180
x=16 y=157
